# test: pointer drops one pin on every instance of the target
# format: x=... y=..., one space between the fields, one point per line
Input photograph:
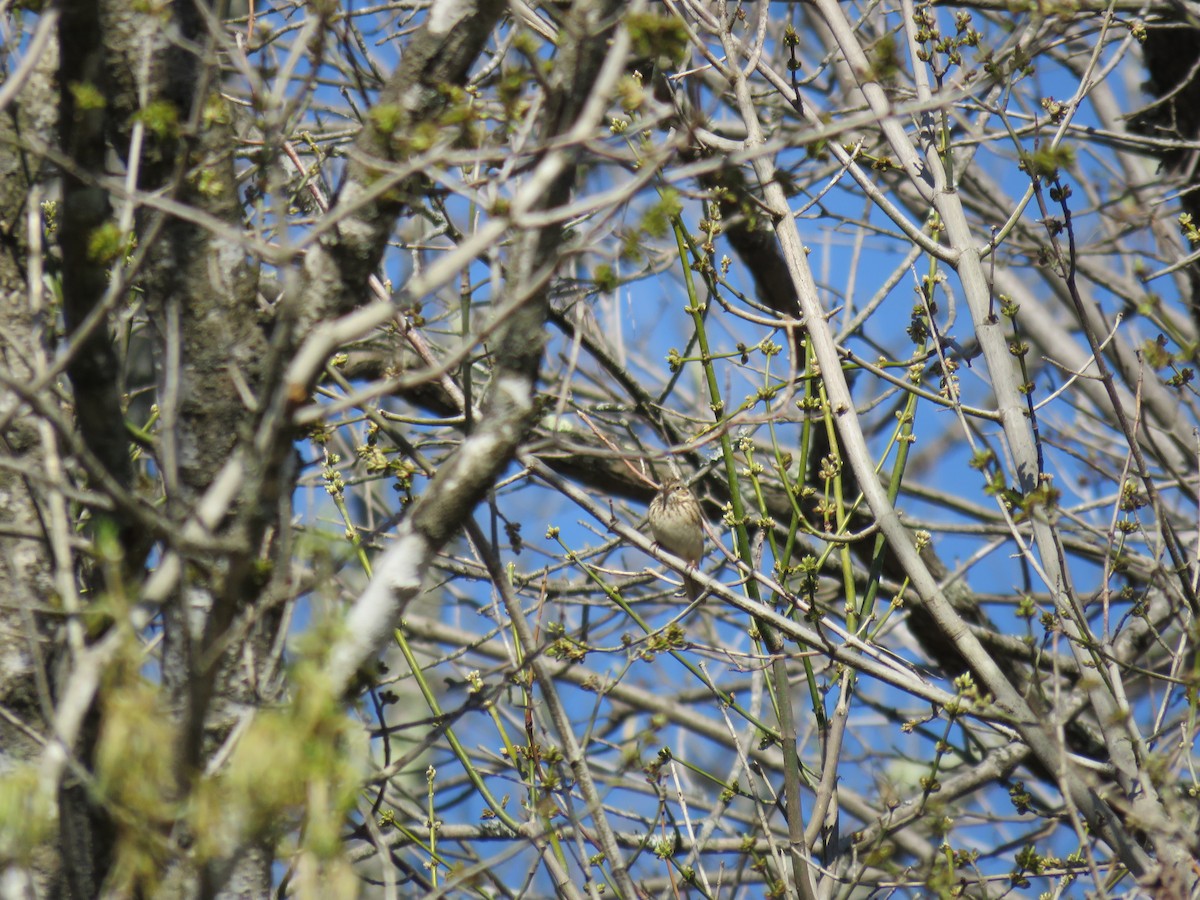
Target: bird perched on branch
x=676 y=522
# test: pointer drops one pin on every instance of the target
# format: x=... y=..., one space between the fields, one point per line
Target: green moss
x=658 y=217
x=386 y=117
x=87 y=96
x=161 y=118
x=658 y=36
x=216 y=111
x=106 y=243
x=605 y=278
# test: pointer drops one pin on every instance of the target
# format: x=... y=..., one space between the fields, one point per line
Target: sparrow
x=676 y=522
